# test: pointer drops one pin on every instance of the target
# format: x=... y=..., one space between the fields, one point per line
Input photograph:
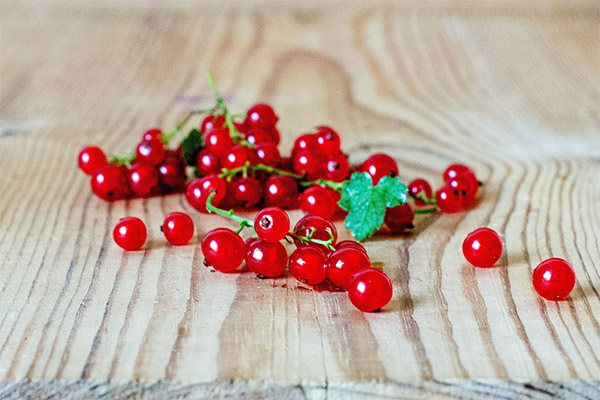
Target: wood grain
x=511 y=89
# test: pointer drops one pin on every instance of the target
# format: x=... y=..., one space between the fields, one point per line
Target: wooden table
x=511 y=88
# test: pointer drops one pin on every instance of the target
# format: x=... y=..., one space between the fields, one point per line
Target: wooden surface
x=511 y=89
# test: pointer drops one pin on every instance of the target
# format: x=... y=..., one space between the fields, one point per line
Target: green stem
x=228 y=214
x=337 y=186
x=213 y=86
x=422 y=197
x=309 y=239
x=120 y=160
x=230 y=173
x=425 y=210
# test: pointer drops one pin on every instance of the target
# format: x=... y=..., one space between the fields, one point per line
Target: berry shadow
x=404 y=304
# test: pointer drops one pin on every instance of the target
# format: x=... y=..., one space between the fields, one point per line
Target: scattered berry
x=370 y=290
x=130 y=233
x=178 y=228
x=554 y=279
x=482 y=247
x=448 y=200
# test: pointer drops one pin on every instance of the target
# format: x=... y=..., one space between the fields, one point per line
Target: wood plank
x=511 y=88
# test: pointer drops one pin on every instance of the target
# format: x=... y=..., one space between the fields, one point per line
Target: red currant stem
x=337 y=186
x=120 y=160
x=422 y=197
x=228 y=214
x=230 y=173
x=213 y=86
x=308 y=240
x=425 y=210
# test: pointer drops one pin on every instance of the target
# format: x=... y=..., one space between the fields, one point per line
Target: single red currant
x=223 y=249
x=482 y=247
x=198 y=190
x=143 y=180
x=307 y=141
x=268 y=154
x=238 y=156
x=337 y=168
x=320 y=201
x=454 y=170
x=246 y=192
x=261 y=115
x=152 y=134
x=259 y=135
x=178 y=228
x=399 y=218
x=309 y=164
x=370 y=290
x=554 y=279
x=344 y=263
x=110 y=183
x=307 y=264
x=211 y=123
x=130 y=233
x=420 y=188
x=266 y=259
x=218 y=141
x=207 y=163
x=448 y=200
x=323 y=228
x=171 y=175
x=272 y=224
x=91 y=158
x=328 y=141
x=352 y=244
x=151 y=151
x=281 y=191
x=467 y=184
x=380 y=165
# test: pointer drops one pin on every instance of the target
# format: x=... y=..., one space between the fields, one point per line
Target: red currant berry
x=275 y=136
x=248 y=245
x=554 y=279
x=130 y=233
x=266 y=259
x=211 y=123
x=242 y=127
x=152 y=134
x=352 y=244
x=178 y=228
x=307 y=264
x=337 y=168
x=454 y=170
x=268 y=154
x=467 y=184
x=198 y=191
x=309 y=164
x=91 y=158
x=143 y=180
x=449 y=200
x=111 y=183
x=261 y=115
x=259 y=135
x=399 y=218
x=307 y=141
x=281 y=191
x=420 y=188
x=223 y=249
x=246 y=192
x=482 y=247
x=328 y=141
x=320 y=201
x=378 y=166
x=370 y=290
x=344 y=263
x=151 y=151
x=207 y=163
x=171 y=175
x=272 y=224
x=218 y=141
x=324 y=229
x=238 y=156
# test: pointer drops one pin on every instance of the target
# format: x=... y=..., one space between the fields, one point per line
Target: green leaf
x=366 y=204
x=191 y=146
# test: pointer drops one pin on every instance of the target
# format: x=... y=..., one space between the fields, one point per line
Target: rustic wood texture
x=511 y=89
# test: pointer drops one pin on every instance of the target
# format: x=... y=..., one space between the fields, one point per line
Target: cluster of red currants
x=317 y=257
x=153 y=170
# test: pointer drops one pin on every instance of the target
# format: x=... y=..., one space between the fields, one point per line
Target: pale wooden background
x=511 y=89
